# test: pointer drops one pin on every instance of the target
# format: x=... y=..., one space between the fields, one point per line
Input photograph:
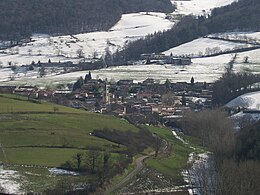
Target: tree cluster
x=135 y=142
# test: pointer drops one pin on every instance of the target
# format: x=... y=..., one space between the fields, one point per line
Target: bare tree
x=78 y=158
x=92 y=157
x=214 y=129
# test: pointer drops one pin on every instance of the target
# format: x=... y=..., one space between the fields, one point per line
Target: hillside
x=189 y=28
x=21 y=18
x=64 y=48
x=39 y=127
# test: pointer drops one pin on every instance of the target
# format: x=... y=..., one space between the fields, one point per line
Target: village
x=147 y=102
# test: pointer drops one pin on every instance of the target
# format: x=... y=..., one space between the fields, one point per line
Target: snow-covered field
x=202 y=69
x=199 y=7
x=69 y=48
x=205 y=46
x=249 y=100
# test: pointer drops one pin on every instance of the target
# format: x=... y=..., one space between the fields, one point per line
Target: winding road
x=139 y=165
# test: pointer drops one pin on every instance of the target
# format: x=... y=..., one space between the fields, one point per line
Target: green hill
x=35 y=134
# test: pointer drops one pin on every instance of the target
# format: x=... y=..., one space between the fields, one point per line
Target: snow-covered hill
x=205 y=46
x=67 y=48
x=249 y=100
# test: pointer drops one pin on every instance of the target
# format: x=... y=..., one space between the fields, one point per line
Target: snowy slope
x=199 y=7
x=64 y=48
x=249 y=100
x=204 y=46
x=253 y=64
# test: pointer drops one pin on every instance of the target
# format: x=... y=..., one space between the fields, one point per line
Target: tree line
x=21 y=18
x=232 y=85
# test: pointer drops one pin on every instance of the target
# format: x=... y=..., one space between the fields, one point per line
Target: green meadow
x=32 y=133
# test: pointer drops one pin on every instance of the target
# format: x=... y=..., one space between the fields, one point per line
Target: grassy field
x=14 y=103
x=34 y=134
x=170 y=164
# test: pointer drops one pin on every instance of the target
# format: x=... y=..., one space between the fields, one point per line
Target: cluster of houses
x=160 y=58
x=125 y=98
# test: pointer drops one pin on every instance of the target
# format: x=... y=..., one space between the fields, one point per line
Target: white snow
x=8 y=181
x=248 y=100
x=199 y=7
x=64 y=48
x=204 y=46
x=57 y=171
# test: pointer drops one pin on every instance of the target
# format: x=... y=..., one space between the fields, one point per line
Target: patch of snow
x=57 y=171
x=179 y=138
x=8 y=181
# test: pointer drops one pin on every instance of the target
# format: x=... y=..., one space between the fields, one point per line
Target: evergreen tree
x=192 y=81
x=183 y=100
x=79 y=83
